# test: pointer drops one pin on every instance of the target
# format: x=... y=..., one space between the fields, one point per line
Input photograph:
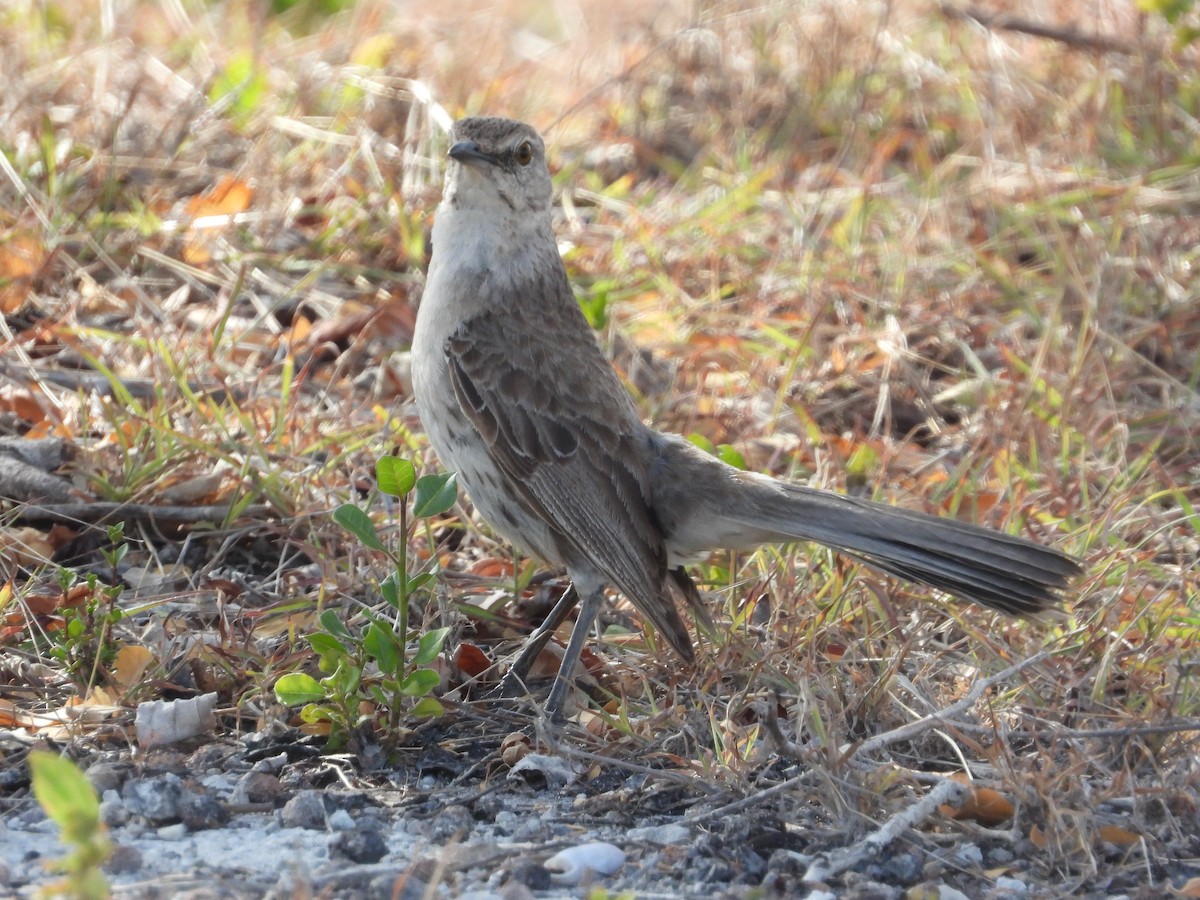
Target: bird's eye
x=524 y=154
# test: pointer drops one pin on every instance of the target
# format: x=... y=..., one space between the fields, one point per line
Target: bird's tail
x=989 y=567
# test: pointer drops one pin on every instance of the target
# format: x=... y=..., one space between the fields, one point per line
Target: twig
x=102 y=511
x=942 y=716
x=1072 y=37
x=827 y=865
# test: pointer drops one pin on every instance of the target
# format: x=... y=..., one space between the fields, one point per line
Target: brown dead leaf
x=19 y=401
x=21 y=258
x=131 y=662
x=23 y=546
x=193 y=488
x=983 y=805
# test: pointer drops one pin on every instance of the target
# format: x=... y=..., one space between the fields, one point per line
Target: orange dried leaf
x=21 y=258
x=1115 y=834
x=20 y=402
x=299 y=332
x=983 y=805
x=492 y=567
x=131 y=662
x=227 y=197
x=471 y=660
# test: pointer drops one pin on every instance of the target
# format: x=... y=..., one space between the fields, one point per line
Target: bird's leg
x=586 y=617
x=513 y=682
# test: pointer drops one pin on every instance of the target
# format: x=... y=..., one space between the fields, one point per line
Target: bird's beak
x=468 y=152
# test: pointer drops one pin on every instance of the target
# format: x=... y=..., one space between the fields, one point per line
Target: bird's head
x=498 y=163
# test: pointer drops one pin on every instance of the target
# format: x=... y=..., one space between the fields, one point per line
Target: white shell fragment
x=161 y=722
x=575 y=864
x=540 y=769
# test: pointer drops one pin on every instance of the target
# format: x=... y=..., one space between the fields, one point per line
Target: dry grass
x=860 y=243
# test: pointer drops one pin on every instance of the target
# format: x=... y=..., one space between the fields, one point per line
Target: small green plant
x=374 y=665
x=84 y=644
x=70 y=801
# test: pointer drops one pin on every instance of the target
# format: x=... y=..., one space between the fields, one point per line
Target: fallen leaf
x=471 y=660
x=21 y=258
x=21 y=402
x=1115 y=834
x=131 y=662
x=227 y=197
x=25 y=546
x=983 y=805
x=492 y=567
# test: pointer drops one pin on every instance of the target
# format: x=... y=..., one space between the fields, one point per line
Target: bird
x=518 y=398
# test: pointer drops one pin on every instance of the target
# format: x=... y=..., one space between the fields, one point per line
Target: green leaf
x=419 y=683
x=435 y=494
x=243 y=82
x=359 y=524
x=327 y=646
x=699 y=440
x=430 y=646
x=390 y=588
x=395 y=476
x=595 y=304
x=344 y=680
x=65 y=795
x=315 y=712
x=731 y=456
x=332 y=623
x=419 y=581
x=427 y=708
x=380 y=643
x=862 y=462
x=296 y=687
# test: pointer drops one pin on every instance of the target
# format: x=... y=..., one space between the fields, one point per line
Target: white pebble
x=574 y=864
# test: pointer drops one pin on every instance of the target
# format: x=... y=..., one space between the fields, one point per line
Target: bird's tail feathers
x=992 y=568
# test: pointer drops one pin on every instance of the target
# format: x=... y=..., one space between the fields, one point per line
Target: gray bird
x=518 y=398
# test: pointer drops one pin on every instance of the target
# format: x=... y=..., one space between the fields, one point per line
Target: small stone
x=359 y=846
x=123 y=860
x=108 y=776
x=154 y=799
x=200 y=811
x=257 y=787
x=1000 y=856
x=305 y=810
x=1011 y=885
x=113 y=811
x=453 y=822
x=532 y=875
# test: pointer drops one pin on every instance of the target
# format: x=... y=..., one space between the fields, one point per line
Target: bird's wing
x=557 y=421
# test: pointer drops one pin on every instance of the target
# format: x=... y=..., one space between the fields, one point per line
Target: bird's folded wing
x=559 y=424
